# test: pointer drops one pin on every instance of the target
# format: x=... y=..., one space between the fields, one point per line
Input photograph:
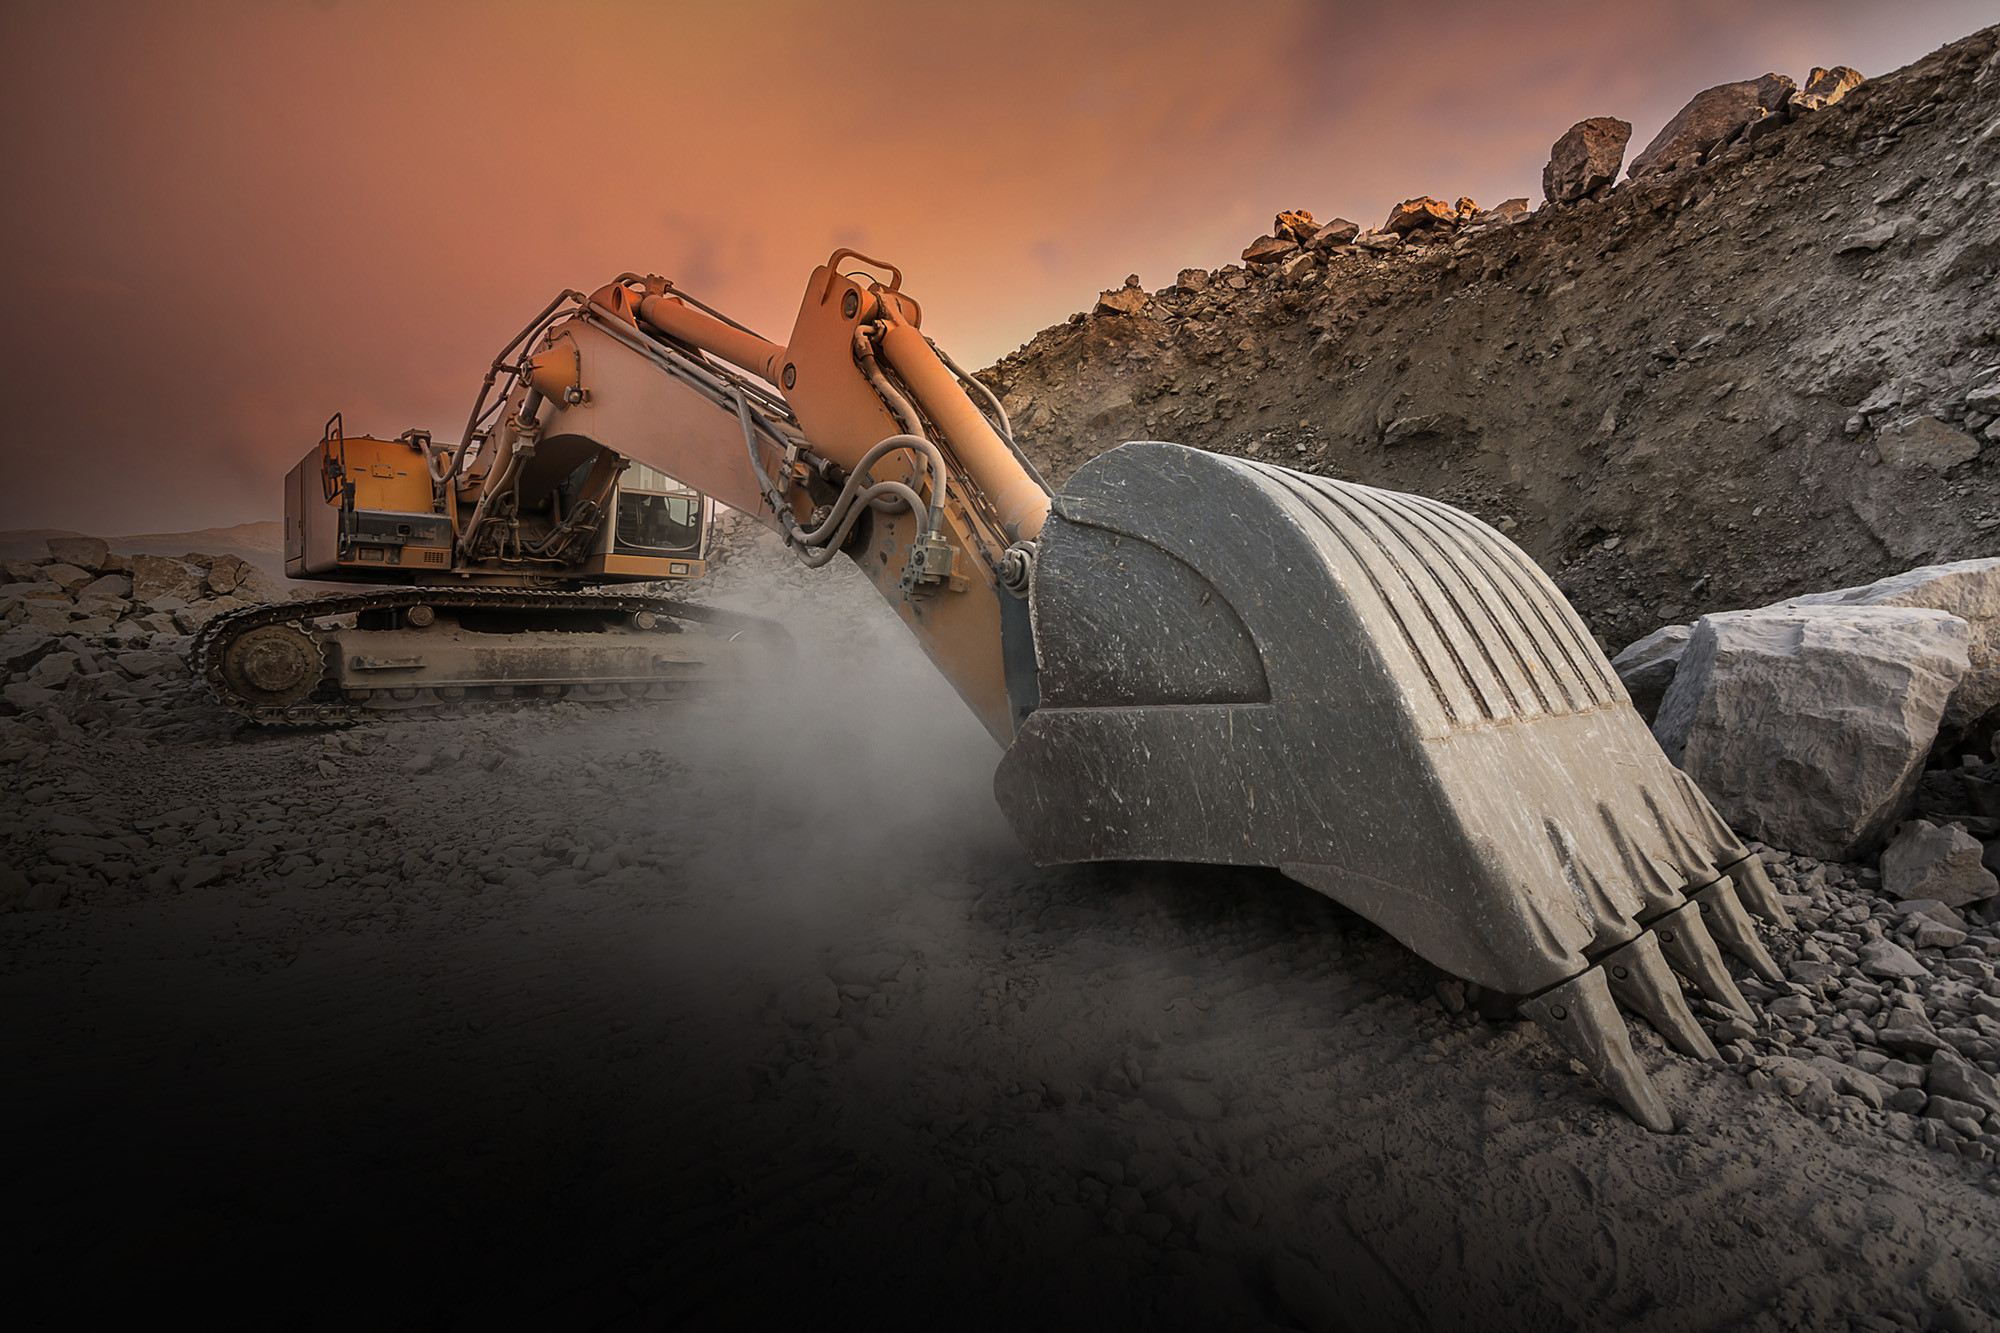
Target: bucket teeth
x=1732 y=928
x=1641 y=981
x=1581 y=1015
x=1685 y=942
x=1758 y=894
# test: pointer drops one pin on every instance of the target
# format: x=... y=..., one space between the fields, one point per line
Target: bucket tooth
x=1756 y=891
x=1731 y=927
x=1686 y=943
x=1583 y=1018
x=1641 y=980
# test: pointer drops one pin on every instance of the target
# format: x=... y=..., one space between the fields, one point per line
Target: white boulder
x=1647 y=666
x=1808 y=726
x=1968 y=589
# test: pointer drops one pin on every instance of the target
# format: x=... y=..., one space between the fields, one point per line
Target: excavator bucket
x=1389 y=702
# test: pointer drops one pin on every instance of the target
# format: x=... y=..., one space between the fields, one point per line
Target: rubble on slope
x=1690 y=391
x=98 y=642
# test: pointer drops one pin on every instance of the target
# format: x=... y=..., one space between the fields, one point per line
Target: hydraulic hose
x=849 y=496
x=815 y=556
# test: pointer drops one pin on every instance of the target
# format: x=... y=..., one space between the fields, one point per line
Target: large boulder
x=1586 y=157
x=228 y=571
x=1824 y=87
x=156 y=576
x=1420 y=214
x=91 y=553
x=1294 y=224
x=1808 y=726
x=1337 y=232
x=1968 y=589
x=1269 y=249
x=1648 y=666
x=1713 y=118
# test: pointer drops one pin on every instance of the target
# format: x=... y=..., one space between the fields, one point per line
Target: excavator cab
x=364 y=510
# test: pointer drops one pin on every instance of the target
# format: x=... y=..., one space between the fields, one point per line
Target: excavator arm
x=857 y=436
x=1194 y=657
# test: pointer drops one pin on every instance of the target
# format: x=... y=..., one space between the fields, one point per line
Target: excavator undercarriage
x=333 y=660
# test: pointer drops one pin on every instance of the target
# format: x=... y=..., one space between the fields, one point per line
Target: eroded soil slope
x=1660 y=393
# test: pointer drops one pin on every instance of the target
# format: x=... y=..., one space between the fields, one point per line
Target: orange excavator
x=1187 y=656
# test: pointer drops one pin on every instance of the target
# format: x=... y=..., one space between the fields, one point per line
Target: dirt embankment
x=1703 y=389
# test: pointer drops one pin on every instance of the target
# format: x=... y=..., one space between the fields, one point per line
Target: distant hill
x=262 y=544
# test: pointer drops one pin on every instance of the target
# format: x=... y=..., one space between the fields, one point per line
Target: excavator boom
x=1200 y=658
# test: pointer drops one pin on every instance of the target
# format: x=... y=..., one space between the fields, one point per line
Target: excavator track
x=232 y=650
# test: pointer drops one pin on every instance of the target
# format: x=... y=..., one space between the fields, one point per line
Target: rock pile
x=1654 y=388
x=1891 y=1018
x=98 y=641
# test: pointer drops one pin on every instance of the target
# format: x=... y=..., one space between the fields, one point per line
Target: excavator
x=1187 y=656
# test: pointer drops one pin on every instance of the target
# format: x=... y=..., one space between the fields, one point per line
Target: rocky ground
x=590 y=1016
x=750 y=1008
x=1712 y=387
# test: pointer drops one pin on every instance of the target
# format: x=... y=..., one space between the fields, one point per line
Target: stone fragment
x=1968 y=589
x=1419 y=214
x=1901 y=1074
x=1889 y=960
x=1337 y=232
x=1924 y=441
x=1764 y=124
x=1823 y=88
x=23 y=571
x=1714 y=117
x=1294 y=225
x=1268 y=249
x=67 y=577
x=1297 y=267
x=142 y=663
x=1808 y=726
x=54 y=669
x=1120 y=301
x=1870 y=1089
x=1869 y=239
x=1378 y=240
x=1928 y=861
x=1647 y=666
x=27 y=697
x=226 y=573
x=91 y=553
x=106 y=585
x=1951 y=1076
x=1936 y=935
x=157 y=576
x=25 y=645
x=1586 y=157
x=1192 y=279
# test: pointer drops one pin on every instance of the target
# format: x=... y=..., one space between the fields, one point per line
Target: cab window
x=658 y=522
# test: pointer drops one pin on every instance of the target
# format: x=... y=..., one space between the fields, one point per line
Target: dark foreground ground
x=721 y=1015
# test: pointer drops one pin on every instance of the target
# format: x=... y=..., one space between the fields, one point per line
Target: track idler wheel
x=274 y=665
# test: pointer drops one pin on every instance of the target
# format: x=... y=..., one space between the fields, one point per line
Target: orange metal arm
x=675 y=318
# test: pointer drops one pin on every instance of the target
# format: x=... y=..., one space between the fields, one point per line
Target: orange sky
x=225 y=221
